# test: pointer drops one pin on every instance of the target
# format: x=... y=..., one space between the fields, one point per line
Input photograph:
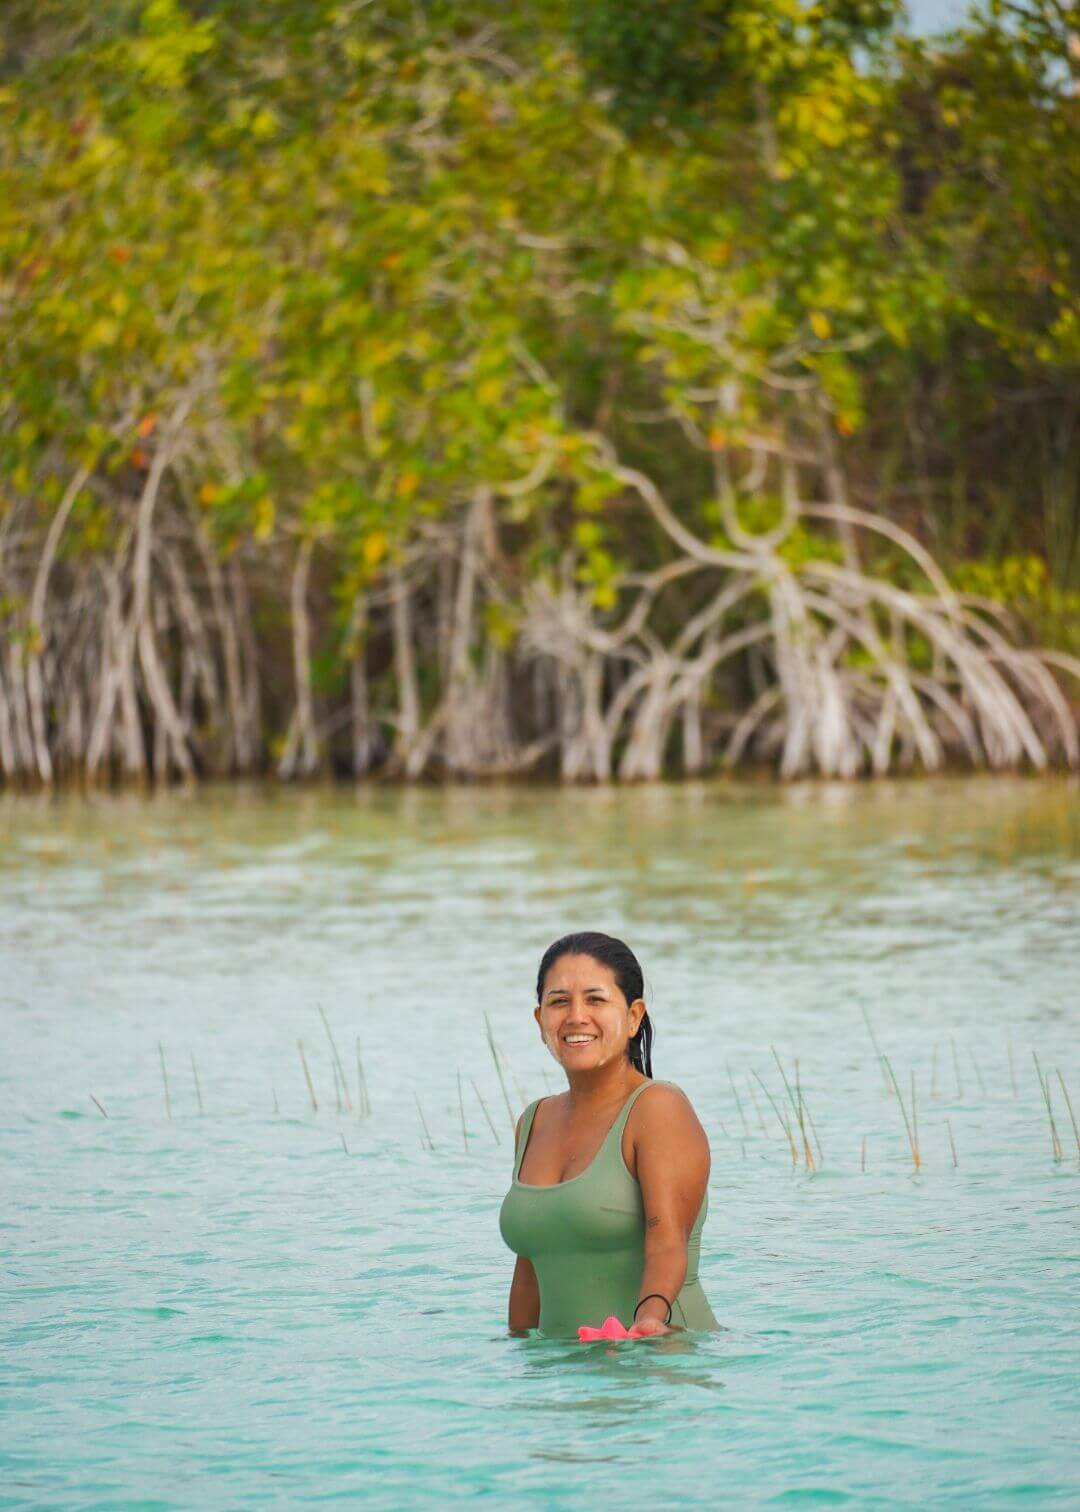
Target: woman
x=608 y=1195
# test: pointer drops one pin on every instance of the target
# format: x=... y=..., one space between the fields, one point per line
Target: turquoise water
x=258 y=1308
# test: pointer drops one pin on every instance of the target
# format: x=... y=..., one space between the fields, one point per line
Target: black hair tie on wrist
x=662 y=1298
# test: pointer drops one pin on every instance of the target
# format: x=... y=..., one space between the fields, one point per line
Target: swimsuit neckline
x=553 y=1186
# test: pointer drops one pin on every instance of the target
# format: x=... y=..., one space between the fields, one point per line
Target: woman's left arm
x=672 y=1154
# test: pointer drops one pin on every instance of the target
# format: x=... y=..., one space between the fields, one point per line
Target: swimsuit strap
x=614 y=1132
x=523 y=1137
x=620 y=1123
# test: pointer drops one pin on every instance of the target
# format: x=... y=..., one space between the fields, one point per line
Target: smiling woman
x=608 y=1195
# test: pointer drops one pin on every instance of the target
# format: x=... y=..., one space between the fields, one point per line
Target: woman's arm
x=672 y=1160
x=524 y=1309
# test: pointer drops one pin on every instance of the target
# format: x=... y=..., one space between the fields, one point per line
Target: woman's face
x=584 y=1019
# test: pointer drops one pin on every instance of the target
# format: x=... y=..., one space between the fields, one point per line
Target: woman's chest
x=595 y=1213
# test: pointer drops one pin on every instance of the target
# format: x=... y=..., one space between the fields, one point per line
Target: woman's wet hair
x=623 y=963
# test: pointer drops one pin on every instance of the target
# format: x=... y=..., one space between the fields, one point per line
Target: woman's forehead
x=578 y=971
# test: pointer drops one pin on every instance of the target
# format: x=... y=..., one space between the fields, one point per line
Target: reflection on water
x=264 y=1303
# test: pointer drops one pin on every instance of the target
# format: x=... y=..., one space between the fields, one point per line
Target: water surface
x=266 y=1306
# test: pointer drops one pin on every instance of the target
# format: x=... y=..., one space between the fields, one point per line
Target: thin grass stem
x=363 y=1101
x=307 y=1077
x=423 y=1120
x=956 y=1069
x=337 y=1059
x=877 y=1050
x=1055 y=1142
x=198 y=1089
x=952 y=1144
x=1072 y=1115
x=487 y=1115
x=738 y=1104
x=978 y=1073
x=165 y=1079
x=779 y=1117
x=98 y=1106
x=498 y=1068
x=907 y=1125
x=461 y=1105
x=807 y=1152
x=757 y=1105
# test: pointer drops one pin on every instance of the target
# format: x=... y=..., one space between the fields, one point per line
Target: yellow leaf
x=375 y=548
x=820 y=325
x=264 y=518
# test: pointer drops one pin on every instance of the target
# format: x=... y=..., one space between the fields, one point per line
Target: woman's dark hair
x=620 y=960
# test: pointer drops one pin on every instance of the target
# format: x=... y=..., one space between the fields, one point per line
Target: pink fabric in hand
x=610 y=1328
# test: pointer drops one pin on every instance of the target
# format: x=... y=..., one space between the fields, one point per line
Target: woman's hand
x=644 y=1328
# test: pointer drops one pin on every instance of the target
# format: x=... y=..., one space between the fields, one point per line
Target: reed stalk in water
x=783 y=1078
x=337 y=1086
x=952 y=1144
x=277 y=1110
x=1072 y=1115
x=98 y=1106
x=956 y=1069
x=344 y=1146
x=913 y=1143
x=461 y=1105
x=738 y=1104
x=877 y=1050
x=307 y=1077
x=807 y=1153
x=337 y=1059
x=487 y=1115
x=362 y=1098
x=779 y=1118
x=978 y=1073
x=495 y=1057
x=864 y=1152
x=813 y=1130
x=423 y=1120
x=198 y=1089
x=1055 y=1142
x=914 y=1110
x=757 y=1105
x=165 y=1079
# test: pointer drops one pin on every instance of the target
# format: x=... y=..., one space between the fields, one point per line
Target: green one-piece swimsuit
x=586 y=1239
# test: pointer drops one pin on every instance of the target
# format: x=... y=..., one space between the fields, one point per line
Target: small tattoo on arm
x=651 y=1222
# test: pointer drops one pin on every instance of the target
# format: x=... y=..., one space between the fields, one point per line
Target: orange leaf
x=146 y=424
x=120 y=255
x=139 y=458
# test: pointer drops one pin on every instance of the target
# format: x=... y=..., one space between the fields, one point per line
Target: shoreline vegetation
x=564 y=390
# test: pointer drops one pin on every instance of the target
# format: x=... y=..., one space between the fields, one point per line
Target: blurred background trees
x=597 y=390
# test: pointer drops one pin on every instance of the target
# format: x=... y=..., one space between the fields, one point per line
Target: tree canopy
x=440 y=388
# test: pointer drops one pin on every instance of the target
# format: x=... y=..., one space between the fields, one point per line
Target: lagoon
x=260 y=1304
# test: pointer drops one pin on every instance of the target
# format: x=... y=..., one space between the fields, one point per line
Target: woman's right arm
x=524 y=1310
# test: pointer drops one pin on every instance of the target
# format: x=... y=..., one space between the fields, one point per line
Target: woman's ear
x=637 y=1013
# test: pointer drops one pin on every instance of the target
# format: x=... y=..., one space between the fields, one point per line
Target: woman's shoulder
x=664 y=1099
